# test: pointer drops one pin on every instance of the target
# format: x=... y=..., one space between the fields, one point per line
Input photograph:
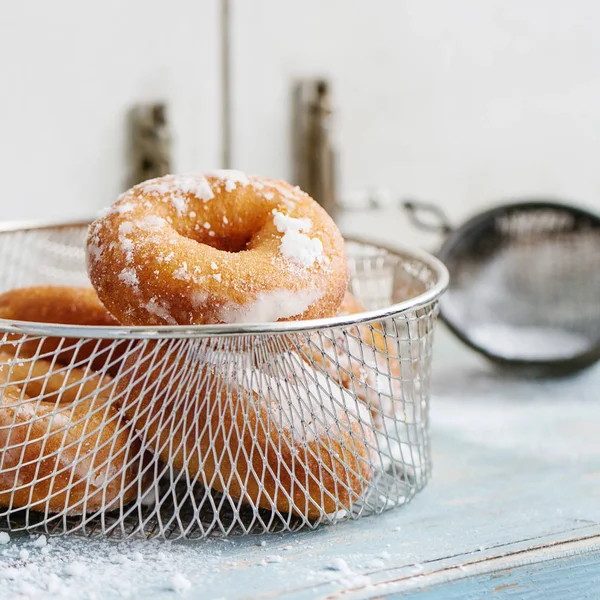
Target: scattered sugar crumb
x=40 y=542
x=213 y=265
x=338 y=564
x=269 y=195
x=274 y=559
x=180 y=583
x=295 y=244
x=77 y=569
x=211 y=233
x=231 y=178
x=4 y=537
x=150 y=498
x=287 y=548
x=192 y=214
x=384 y=555
x=263 y=544
x=24 y=554
x=225 y=220
x=206 y=225
x=104 y=212
x=129 y=276
x=217 y=276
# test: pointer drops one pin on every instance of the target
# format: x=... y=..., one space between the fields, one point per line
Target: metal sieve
x=524 y=283
x=120 y=479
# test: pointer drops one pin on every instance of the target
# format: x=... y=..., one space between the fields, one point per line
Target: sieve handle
x=427 y=216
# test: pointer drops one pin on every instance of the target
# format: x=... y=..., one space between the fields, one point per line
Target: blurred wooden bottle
x=314 y=152
x=150 y=142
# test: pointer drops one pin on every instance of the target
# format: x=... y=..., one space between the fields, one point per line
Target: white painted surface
x=70 y=72
x=464 y=102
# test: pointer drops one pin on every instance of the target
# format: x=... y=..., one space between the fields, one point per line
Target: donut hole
x=232 y=244
x=225 y=239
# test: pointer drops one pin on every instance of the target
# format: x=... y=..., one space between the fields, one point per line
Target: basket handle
x=427 y=216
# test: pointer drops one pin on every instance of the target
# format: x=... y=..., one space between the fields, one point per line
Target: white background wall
x=69 y=73
x=463 y=102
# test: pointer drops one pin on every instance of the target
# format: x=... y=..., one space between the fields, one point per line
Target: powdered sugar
x=161 y=310
x=151 y=223
x=180 y=583
x=230 y=177
x=129 y=276
x=301 y=249
x=79 y=568
x=176 y=188
x=285 y=224
x=270 y=306
x=126 y=228
x=94 y=249
x=182 y=272
x=123 y=207
x=295 y=244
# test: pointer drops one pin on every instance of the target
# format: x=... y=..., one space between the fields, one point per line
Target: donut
x=217 y=248
x=370 y=365
x=362 y=359
x=63 y=447
x=295 y=445
x=61 y=305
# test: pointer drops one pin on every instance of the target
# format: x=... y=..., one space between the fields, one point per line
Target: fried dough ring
x=65 y=305
x=239 y=438
x=216 y=248
x=64 y=447
x=362 y=359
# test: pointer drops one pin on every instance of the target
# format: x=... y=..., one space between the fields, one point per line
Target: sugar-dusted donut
x=216 y=248
x=65 y=305
x=297 y=444
x=362 y=359
x=63 y=447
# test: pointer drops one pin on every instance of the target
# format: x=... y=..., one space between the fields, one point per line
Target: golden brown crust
x=64 y=305
x=61 y=453
x=201 y=423
x=164 y=255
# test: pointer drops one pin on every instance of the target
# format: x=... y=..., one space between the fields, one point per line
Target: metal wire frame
x=214 y=430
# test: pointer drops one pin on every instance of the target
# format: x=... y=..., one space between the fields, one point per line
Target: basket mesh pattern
x=212 y=435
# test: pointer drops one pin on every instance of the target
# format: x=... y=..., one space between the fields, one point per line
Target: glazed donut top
x=222 y=247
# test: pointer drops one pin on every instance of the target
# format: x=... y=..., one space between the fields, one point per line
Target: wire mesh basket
x=213 y=430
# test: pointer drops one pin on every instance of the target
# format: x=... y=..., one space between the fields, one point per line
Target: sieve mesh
x=201 y=434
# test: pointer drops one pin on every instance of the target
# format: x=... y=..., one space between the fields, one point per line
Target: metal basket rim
x=200 y=331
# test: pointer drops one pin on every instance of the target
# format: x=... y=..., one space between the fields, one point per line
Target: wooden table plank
x=576 y=577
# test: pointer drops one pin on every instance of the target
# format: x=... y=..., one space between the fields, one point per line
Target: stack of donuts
x=79 y=418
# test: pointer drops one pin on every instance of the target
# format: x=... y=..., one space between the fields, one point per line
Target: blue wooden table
x=512 y=511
